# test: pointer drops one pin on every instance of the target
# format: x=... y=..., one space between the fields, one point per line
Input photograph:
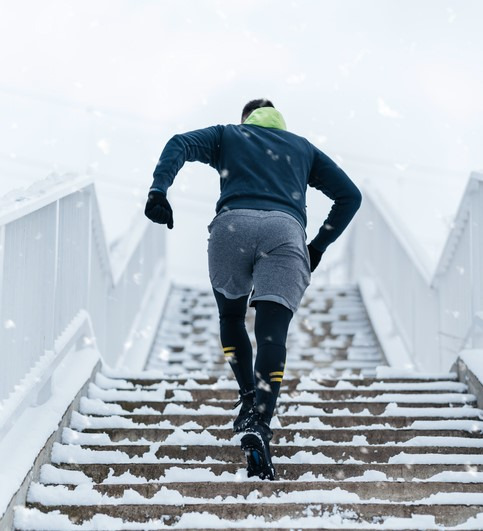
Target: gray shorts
x=261 y=249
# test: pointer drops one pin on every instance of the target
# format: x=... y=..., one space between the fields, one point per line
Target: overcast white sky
x=386 y=87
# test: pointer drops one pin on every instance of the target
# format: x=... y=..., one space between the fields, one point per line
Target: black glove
x=315 y=256
x=158 y=209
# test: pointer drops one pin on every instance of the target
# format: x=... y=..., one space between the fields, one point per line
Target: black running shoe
x=256 y=445
x=247 y=410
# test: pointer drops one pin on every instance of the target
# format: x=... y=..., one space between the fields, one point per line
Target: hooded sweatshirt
x=263 y=166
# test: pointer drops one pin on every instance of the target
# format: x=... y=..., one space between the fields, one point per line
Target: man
x=257 y=240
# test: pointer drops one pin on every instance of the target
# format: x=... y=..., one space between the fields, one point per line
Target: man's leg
x=271 y=327
x=234 y=339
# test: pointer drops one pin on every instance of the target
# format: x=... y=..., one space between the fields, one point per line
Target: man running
x=257 y=246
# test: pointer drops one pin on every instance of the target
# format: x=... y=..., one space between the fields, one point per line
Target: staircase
x=355 y=446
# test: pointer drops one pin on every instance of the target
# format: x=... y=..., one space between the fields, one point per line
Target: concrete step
x=329 y=395
x=181 y=417
x=203 y=395
x=194 y=380
x=328 y=407
x=367 y=454
x=287 y=435
x=169 y=514
x=396 y=491
x=289 y=471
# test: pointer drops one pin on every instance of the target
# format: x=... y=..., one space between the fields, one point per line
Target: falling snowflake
x=273 y=155
x=9 y=324
x=163 y=354
x=104 y=146
x=87 y=341
x=384 y=110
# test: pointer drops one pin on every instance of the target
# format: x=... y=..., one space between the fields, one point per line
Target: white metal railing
x=436 y=313
x=59 y=284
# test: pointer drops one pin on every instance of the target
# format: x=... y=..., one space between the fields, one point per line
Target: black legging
x=271 y=326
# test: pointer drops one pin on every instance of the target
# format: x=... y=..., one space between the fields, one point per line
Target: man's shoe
x=247 y=410
x=256 y=446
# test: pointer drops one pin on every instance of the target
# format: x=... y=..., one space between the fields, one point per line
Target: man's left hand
x=315 y=256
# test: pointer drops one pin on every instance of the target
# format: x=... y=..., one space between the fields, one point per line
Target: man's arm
x=202 y=145
x=327 y=177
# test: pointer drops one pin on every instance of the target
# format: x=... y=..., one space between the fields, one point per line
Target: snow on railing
x=60 y=284
x=435 y=313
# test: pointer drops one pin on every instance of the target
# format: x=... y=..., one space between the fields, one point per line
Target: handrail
x=36 y=198
x=58 y=276
x=432 y=310
x=460 y=219
x=410 y=244
x=34 y=386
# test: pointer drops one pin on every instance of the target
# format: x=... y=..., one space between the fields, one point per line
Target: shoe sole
x=259 y=462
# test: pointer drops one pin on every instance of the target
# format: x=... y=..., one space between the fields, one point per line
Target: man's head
x=254 y=104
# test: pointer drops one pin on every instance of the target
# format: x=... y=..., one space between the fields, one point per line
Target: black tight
x=271 y=326
x=234 y=339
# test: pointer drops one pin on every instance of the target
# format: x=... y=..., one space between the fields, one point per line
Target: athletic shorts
x=259 y=249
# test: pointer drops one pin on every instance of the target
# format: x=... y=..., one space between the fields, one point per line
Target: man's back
x=264 y=168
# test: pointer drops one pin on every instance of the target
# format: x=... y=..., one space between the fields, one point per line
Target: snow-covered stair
x=352 y=451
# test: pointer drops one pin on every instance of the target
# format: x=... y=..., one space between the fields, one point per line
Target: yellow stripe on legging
x=276 y=373
x=275 y=379
x=226 y=349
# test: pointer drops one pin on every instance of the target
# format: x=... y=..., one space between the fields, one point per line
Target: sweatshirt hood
x=266 y=117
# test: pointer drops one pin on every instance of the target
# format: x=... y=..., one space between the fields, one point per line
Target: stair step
x=470 y=422
x=169 y=514
x=450 y=380
x=231 y=453
x=340 y=435
x=202 y=395
x=396 y=491
x=328 y=407
x=99 y=472
x=354 y=443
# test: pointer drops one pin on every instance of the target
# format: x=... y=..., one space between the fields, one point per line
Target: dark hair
x=255 y=104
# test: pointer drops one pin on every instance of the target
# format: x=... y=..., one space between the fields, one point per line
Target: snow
x=22 y=444
x=178 y=409
x=439 y=441
x=81 y=422
x=473 y=359
x=48 y=521
x=440 y=398
x=52 y=474
x=62 y=453
x=393 y=410
x=467 y=425
x=113 y=395
x=432 y=459
x=451 y=476
x=84 y=494
x=304 y=457
x=384 y=372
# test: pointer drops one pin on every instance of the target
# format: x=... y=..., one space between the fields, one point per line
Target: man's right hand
x=158 y=209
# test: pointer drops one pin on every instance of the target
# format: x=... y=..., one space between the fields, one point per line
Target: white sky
x=391 y=89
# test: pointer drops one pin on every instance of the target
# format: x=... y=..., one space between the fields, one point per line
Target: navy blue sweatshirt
x=264 y=168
